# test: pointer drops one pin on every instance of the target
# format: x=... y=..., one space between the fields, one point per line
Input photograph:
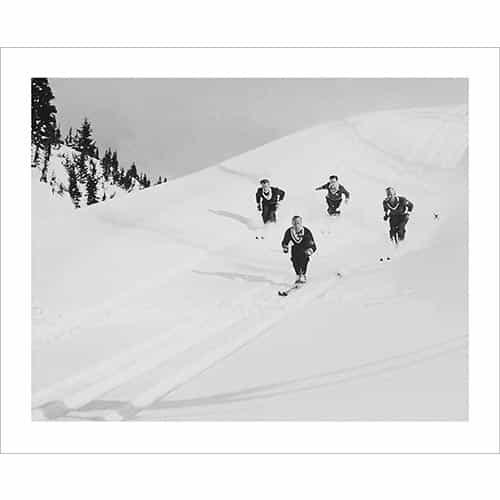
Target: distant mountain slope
x=162 y=304
x=58 y=182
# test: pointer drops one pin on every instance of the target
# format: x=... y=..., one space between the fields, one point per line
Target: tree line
x=83 y=175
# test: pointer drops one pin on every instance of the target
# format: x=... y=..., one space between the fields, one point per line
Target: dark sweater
x=334 y=194
x=398 y=207
x=276 y=195
x=300 y=243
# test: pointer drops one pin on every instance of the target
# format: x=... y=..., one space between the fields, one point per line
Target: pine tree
x=107 y=164
x=43 y=115
x=35 y=156
x=81 y=168
x=53 y=181
x=58 y=137
x=45 y=168
x=159 y=180
x=84 y=142
x=91 y=185
x=121 y=177
x=115 y=171
x=132 y=172
x=69 y=138
x=73 y=190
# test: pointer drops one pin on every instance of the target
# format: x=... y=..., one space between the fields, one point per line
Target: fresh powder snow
x=161 y=304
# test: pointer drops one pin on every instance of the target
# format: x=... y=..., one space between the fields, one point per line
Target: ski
x=384 y=259
x=296 y=286
x=284 y=293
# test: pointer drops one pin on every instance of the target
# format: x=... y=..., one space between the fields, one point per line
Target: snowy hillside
x=163 y=304
x=57 y=183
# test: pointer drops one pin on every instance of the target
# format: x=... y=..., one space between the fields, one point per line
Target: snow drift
x=163 y=305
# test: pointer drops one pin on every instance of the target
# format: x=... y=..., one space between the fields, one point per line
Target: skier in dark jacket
x=397 y=210
x=268 y=199
x=303 y=246
x=334 y=195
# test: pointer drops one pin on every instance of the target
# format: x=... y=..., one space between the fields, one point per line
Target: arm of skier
x=323 y=186
x=312 y=244
x=346 y=193
x=286 y=241
x=258 y=197
x=386 y=210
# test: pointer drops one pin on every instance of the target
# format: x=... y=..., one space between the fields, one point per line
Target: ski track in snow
x=141 y=382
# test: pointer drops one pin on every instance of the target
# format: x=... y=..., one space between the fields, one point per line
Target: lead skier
x=397 y=210
x=303 y=246
x=268 y=199
x=334 y=196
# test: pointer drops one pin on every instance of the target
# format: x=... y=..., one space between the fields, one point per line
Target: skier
x=303 y=247
x=334 y=195
x=397 y=210
x=268 y=199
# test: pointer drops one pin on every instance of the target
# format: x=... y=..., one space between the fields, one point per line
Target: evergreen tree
x=69 y=138
x=58 y=137
x=43 y=115
x=43 y=175
x=91 y=185
x=159 y=180
x=107 y=164
x=115 y=171
x=45 y=168
x=53 y=181
x=132 y=172
x=81 y=168
x=35 y=156
x=73 y=190
x=84 y=142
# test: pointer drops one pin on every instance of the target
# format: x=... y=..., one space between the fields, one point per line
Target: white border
x=480 y=434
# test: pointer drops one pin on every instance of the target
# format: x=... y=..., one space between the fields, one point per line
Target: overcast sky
x=172 y=127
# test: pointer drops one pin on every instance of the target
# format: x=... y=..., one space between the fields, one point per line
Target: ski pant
x=397 y=225
x=300 y=260
x=268 y=212
x=333 y=205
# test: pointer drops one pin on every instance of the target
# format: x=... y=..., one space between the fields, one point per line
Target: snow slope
x=163 y=305
x=58 y=183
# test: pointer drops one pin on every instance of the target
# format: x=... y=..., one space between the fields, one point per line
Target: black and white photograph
x=249 y=249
